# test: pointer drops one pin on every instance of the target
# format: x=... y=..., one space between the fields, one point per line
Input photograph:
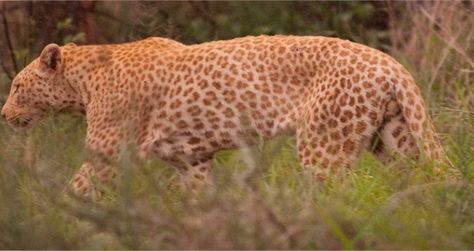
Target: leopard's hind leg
x=393 y=138
x=330 y=138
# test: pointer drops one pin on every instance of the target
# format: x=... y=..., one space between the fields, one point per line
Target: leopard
x=183 y=103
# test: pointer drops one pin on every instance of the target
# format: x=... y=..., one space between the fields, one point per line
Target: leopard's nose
x=4 y=116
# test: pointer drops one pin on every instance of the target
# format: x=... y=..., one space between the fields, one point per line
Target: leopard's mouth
x=22 y=121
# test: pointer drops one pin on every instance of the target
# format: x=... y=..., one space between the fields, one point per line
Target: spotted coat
x=187 y=102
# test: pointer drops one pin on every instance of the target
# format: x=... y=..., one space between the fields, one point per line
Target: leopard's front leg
x=195 y=174
x=92 y=178
x=103 y=143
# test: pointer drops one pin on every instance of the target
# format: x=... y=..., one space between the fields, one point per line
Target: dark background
x=272 y=203
x=26 y=27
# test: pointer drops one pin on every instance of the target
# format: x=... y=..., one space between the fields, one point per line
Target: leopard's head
x=37 y=89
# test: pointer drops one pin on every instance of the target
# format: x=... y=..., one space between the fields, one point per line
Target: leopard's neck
x=83 y=70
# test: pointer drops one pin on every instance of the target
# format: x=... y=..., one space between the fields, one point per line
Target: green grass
x=262 y=198
x=270 y=204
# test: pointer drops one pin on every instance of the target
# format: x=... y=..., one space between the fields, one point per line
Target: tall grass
x=269 y=202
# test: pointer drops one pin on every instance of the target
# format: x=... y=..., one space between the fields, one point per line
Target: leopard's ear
x=50 y=57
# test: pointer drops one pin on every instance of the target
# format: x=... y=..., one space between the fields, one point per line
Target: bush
x=262 y=198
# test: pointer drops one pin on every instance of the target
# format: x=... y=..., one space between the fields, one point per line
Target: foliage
x=204 y=21
x=63 y=26
x=262 y=198
x=273 y=204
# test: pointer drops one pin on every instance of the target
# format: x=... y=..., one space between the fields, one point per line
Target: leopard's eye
x=16 y=87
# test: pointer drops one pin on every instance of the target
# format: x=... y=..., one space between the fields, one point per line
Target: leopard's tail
x=417 y=120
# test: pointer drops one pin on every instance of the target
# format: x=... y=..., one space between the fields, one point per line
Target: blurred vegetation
x=262 y=199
